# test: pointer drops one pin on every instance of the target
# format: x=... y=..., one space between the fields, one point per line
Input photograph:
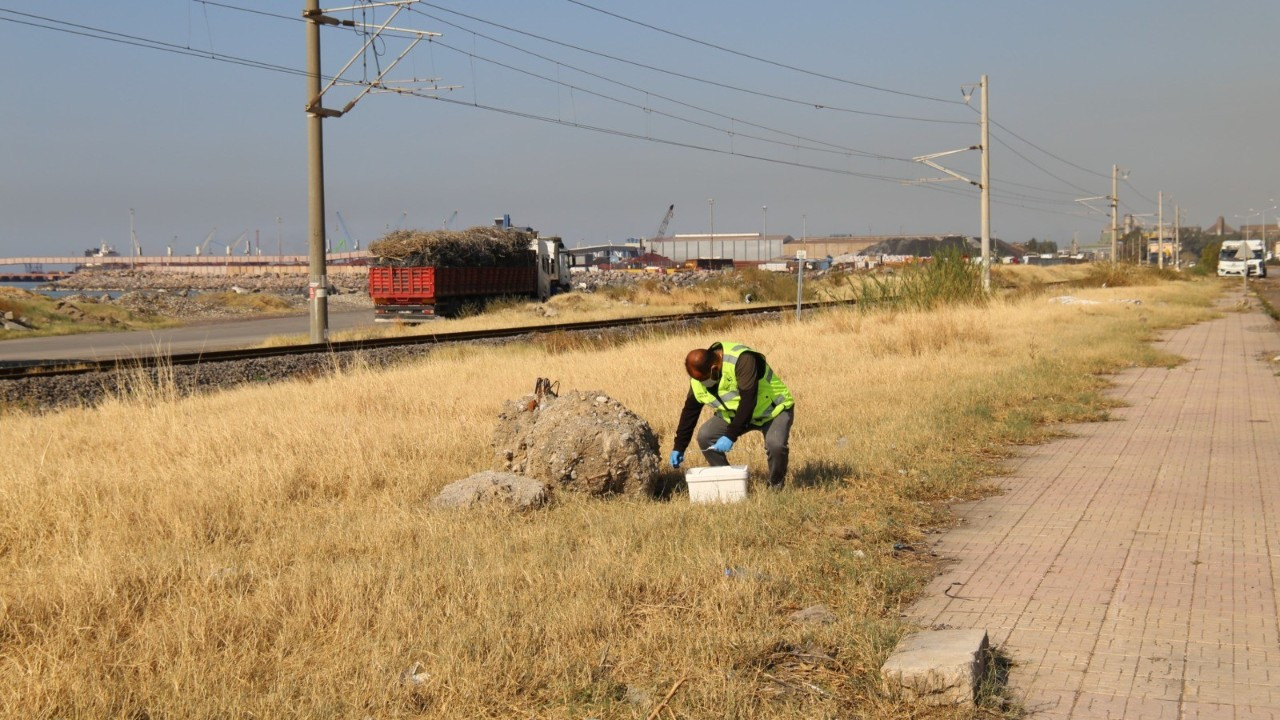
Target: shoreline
x=141 y=280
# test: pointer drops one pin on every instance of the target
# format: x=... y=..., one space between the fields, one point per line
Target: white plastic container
x=717 y=484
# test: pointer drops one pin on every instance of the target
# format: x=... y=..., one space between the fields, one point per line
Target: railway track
x=83 y=367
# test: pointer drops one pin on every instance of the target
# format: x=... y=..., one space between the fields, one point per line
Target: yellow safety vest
x=772 y=399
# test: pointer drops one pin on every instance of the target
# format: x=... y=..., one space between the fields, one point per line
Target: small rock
x=937 y=668
x=494 y=486
x=814 y=614
x=414 y=675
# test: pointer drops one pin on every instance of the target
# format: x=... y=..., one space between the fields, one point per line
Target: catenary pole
x=319 y=282
x=764 y=236
x=986 y=192
x=1160 y=226
x=1177 y=237
x=1115 y=224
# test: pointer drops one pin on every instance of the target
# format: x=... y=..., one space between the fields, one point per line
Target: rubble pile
x=114 y=279
x=481 y=246
x=188 y=304
x=583 y=442
x=661 y=282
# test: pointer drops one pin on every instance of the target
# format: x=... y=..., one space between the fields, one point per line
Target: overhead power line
x=757 y=58
x=1041 y=168
x=1138 y=192
x=831 y=147
x=675 y=73
x=142 y=42
x=1105 y=176
x=651 y=93
x=153 y=44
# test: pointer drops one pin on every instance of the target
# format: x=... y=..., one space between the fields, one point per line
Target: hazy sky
x=1182 y=94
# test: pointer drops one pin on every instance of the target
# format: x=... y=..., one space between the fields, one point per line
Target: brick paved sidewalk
x=1133 y=570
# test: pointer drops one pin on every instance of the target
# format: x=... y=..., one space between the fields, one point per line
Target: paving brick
x=1133 y=569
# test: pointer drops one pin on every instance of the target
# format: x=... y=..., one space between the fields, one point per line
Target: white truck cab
x=1239 y=257
x=555 y=263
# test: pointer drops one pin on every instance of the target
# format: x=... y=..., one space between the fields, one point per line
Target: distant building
x=739 y=247
x=1269 y=231
x=608 y=253
x=1220 y=228
x=835 y=245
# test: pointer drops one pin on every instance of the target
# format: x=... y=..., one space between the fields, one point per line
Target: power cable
x=749 y=56
x=841 y=151
x=1031 y=162
x=674 y=73
x=151 y=44
x=1138 y=192
x=651 y=93
x=1046 y=152
x=137 y=41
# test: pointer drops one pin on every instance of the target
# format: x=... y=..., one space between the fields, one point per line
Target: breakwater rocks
x=143 y=280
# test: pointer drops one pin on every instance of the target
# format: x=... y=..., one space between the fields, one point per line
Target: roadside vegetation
x=47 y=316
x=271 y=551
x=136 y=311
x=647 y=296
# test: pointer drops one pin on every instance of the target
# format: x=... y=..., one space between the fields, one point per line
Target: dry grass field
x=270 y=552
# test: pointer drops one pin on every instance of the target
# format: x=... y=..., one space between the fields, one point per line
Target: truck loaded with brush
x=420 y=275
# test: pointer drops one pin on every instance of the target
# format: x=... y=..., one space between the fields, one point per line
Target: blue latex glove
x=723 y=445
x=677 y=457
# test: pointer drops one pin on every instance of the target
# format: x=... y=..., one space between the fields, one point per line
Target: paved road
x=216 y=335
x=1133 y=570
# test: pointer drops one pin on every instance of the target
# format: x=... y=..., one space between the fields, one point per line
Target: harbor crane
x=662 y=229
x=202 y=247
x=242 y=238
x=342 y=243
x=449 y=221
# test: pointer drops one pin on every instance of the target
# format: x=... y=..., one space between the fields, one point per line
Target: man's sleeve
x=688 y=419
x=748 y=372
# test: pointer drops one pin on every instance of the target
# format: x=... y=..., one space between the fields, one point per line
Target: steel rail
x=82 y=367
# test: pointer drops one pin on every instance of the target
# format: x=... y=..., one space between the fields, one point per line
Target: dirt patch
x=1268 y=290
x=581 y=441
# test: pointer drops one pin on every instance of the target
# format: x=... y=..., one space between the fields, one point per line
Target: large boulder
x=580 y=441
x=494 y=487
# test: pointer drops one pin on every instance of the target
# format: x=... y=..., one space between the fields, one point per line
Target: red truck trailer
x=418 y=293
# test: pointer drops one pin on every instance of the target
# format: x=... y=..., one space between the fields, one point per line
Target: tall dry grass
x=270 y=551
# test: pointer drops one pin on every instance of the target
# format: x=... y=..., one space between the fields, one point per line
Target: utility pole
x=711 y=241
x=1160 y=226
x=1115 y=224
x=764 y=236
x=984 y=180
x=986 y=192
x=316 y=112
x=133 y=243
x=317 y=288
x=1177 y=237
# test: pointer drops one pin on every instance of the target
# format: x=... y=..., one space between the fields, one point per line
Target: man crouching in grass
x=728 y=376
